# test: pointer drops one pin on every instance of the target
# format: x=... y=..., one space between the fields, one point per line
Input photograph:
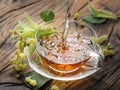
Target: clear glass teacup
x=79 y=57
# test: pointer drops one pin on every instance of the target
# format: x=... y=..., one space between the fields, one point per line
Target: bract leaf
x=101 y=13
x=89 y=18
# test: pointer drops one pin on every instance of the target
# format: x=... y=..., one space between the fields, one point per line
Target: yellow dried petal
x=22 y=56
x=16 y=52
x=28 y=79
x=54 y=87
x=30 y=40
x=33 y=83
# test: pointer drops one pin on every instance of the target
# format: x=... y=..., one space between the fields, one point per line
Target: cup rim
x=38 y=43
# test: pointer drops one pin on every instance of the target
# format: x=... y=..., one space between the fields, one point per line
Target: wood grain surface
x=107 y=78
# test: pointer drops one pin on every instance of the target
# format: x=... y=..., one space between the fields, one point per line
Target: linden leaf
x=47 y=15
x=91 y=19
x=35 y=76
x=30 y=21
x=101 y=13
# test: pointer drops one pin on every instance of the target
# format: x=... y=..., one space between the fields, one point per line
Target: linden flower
x=20 y=67
x=22 y=56
x=27 y=79
x=54 y=87
x=31 y=81
x=30 y=40
x=17 y=52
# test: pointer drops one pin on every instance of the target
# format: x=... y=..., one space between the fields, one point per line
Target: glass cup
x=79 y=57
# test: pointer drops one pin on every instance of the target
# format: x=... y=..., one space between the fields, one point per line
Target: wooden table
x=107 y=78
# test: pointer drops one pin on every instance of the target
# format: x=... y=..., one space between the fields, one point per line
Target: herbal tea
x=70 y=58
x=74 y=55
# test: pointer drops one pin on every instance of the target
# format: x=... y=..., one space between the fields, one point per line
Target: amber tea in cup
x=78 y=58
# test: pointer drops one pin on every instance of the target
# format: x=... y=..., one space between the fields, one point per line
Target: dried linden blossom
x=19 y=60
x=30 y=81
x=54 y=87
x=26 y=44
x=108 y=49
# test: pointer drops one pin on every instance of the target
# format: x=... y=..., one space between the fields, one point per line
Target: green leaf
x=47 y=15
x=99 y=40
x=30 y=21
x=35 y=76
x=28 y=50
x=21 y=24
x=45 y=32
x=101 y=13
x=25 y=29
x=89 y=18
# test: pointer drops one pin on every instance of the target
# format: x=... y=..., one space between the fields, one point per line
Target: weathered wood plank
x=108 y=77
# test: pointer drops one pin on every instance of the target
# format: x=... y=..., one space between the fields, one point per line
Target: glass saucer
x=88 y=61
x=35 y=64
